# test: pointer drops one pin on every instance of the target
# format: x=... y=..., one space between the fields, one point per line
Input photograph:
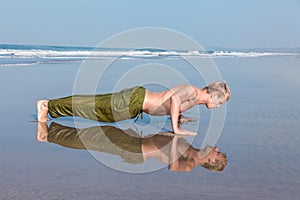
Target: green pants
x=108 y=139
x=111 y=107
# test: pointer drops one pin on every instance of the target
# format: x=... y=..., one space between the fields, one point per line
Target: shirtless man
x=173 y=150
x=128 y=103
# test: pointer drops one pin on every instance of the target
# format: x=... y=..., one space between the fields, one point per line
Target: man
x=173 y=150
x=129 y=103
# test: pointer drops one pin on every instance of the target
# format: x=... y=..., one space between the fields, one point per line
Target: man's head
x=219 y=93
x=215 y=160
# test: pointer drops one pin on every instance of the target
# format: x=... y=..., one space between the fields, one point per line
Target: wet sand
x=261 y=138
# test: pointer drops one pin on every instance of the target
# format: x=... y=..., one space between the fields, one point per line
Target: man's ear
x=214 y=98
x=212 y=161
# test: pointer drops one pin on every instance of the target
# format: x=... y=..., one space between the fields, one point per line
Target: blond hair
x=218 y=90
x=218 y=165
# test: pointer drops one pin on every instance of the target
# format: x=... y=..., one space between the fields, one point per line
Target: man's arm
x=174 y=163
x=175 y=112
x=173 y=160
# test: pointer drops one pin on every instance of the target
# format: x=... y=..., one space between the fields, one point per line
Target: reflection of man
x=128 y=103
x=175 y=151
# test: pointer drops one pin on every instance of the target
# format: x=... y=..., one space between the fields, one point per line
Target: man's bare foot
x=42 y=110
x=42 y=132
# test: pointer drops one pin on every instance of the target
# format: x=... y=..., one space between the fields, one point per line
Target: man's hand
x=175 y=113
x=186 y=119
x=184 y=132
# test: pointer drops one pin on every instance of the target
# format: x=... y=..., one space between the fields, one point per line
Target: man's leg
x=42 y=110
x=85 y=106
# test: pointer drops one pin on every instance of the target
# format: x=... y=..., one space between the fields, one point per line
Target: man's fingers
x=182 y=120
x=186 y=133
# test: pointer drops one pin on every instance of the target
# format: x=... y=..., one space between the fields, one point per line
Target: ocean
x=18 y=55
x=260 y=136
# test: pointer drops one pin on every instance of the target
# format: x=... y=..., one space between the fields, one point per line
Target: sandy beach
x=260 y=138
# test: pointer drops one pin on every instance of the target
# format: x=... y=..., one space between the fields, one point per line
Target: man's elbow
x=175 y=100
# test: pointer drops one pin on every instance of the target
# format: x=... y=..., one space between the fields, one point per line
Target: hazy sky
x=230 y=23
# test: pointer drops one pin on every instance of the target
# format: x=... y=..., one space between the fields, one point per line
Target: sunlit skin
x=199 y=157
x=169 y=102
x=175 y=101
x=152 y=148
x=42 y=132
x=173 y=150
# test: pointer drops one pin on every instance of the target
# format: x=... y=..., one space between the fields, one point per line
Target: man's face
x=210 y=104
x=215 y=154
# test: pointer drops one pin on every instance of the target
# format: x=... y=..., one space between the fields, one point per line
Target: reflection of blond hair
x=218 y=90
x=218 y=165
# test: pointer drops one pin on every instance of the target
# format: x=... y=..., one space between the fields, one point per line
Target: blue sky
x=230 y=23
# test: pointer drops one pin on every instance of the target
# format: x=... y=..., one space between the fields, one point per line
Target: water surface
x=260 y=136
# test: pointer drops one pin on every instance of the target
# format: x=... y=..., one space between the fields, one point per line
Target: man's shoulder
x=184 y=86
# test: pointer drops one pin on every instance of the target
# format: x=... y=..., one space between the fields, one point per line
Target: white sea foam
x=17 y=64
x=26 y=55
x=9 y=53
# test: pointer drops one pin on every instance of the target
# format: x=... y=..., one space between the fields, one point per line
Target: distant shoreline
x=11 y=54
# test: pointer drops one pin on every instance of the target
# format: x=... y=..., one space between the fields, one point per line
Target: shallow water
x=260 y=137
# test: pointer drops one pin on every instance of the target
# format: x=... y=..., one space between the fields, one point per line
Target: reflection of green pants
x=108 y=139
x=112 y=107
